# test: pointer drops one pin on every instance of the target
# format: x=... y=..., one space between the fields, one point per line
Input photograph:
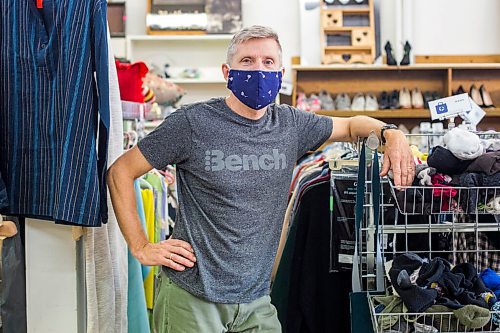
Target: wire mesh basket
x=430 y=322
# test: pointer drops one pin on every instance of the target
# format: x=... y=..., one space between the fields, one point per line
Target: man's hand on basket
x=398 y=158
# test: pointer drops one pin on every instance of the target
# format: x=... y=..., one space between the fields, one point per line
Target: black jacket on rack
x=318 y=301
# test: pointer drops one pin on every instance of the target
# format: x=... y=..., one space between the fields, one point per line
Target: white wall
x=433 y=27
x=456 y=26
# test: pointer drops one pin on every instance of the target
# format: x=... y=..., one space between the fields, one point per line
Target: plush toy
x=424 y=173
x=418 y=154
x=166 y=93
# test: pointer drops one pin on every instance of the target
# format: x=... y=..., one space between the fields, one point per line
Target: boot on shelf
x=391 y=61
x=406 y=57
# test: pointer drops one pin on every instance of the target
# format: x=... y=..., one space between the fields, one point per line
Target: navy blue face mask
x=256 y=89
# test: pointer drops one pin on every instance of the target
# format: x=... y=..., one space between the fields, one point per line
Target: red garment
x=443 y=191
x=130 y=80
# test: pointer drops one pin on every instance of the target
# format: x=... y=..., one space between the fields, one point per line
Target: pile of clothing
x=464 y=161
x=427 y=287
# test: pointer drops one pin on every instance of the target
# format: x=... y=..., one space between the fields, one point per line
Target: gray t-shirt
x=233 y=176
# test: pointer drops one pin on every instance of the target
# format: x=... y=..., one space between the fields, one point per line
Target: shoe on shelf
x=391 y=61
x=384 y=101
x=417 y=100
x=371 y=103
x=314 y=103
x=405 y=99
x=476 y=95
x=358 y=102
x=344 y=2
x=485 y=95
x=406 y=57
x=460 y=90
x=427 y=98
x=435 y=95
x=343 y=102
x=302 y=103
x=394 y=100
x=326 y=100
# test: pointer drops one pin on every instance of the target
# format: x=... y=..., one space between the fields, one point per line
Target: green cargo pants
x=178 y=311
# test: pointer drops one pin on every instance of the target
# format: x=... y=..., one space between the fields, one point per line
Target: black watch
x=386 y=127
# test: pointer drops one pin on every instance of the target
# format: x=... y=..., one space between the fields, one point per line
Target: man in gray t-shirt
x=234 y=159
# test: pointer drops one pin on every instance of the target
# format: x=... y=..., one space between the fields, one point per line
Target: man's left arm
x=397 y=153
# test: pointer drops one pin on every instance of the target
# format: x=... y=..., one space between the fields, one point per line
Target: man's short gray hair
x=255 y=31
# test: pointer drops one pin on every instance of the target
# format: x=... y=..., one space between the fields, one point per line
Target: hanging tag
x=39 y=4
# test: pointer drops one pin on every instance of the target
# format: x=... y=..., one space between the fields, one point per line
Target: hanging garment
x=54 y=109
x=106 y=261
x=136 y=307
x=308 y=307
x=13 y=284
x=4 y=200
x=149 y=213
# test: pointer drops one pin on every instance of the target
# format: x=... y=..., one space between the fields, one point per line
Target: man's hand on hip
x=172 y=253
x=398 y=158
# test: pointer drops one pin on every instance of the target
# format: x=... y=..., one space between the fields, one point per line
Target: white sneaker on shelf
x=358 y=102
x=371 y=103
x=417 y=100
x=405 y=98
x=343 y=102
x=326 y=100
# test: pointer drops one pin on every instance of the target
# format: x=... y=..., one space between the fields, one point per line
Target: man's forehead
x=251 y=48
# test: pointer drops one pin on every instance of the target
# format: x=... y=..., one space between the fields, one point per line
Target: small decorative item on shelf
x=193 y=16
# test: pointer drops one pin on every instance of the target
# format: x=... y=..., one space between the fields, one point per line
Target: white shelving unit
x=206 y=53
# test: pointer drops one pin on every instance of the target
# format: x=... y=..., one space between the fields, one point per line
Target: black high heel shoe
x=460 y=91
x=391 y=61
x=406 y=57
x=485 y=95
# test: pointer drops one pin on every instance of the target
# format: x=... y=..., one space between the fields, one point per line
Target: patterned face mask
x=256 y=89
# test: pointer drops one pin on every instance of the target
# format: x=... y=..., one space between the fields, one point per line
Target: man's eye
x=269 y=62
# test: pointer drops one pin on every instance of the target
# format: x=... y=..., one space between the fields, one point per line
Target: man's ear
x=225 y=71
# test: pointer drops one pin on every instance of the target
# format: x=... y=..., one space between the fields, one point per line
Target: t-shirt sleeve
x=312 y=130
x=169 y=143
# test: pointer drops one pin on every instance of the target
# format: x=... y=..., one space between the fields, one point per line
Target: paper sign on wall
x=450 y=106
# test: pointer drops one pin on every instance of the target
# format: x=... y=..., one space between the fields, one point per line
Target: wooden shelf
x=346 y=48
x=397 y=113
x=195 y=81
x=205 y=37
x=415 y=67
x=440 y=78
x=350 y=9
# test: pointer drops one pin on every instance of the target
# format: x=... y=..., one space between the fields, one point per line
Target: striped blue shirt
x=54 y=109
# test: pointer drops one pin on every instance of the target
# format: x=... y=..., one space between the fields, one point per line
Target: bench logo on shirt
x=215 y=160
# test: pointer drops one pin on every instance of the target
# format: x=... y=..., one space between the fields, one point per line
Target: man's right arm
x=172 y=253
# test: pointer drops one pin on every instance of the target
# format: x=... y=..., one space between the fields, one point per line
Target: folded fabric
x=393 y=304
x=488 y=163
x=495 y=316
x=460 y=320
x=445 y=162
x=443 y=191
x=416 y=298
x=491 y=144
x=473 y=197
x=491 y=280
x=463 y=144
x=473 y=281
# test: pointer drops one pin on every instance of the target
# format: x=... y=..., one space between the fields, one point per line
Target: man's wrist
x=385 y=132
